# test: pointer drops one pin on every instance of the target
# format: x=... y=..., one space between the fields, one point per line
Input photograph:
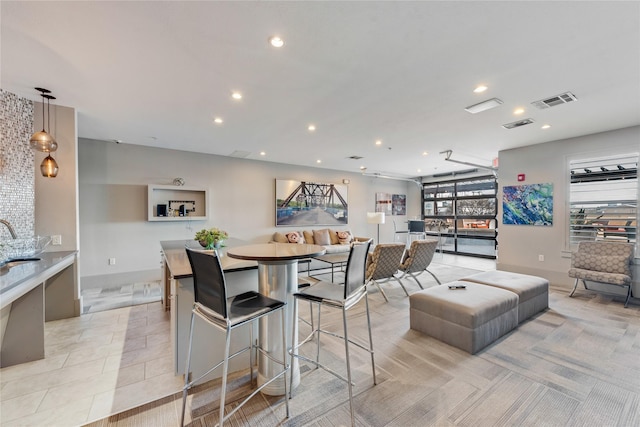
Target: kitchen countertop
x=178 y=262
x=22 y=278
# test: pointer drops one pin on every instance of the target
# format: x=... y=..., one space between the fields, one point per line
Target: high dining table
x=277 y=278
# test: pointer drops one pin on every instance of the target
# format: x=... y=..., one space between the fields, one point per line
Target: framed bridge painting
x=306 y=203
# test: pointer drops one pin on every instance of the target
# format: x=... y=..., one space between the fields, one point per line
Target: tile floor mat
x=101 y=299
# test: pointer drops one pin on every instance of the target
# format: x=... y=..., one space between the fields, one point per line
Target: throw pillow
x=294 y=237
x=344 y=237
x=279 y=238
x=321 y=237
x=308 y=237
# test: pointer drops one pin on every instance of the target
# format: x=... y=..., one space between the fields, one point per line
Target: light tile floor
x=95 y=365
x=108 y=298
x=105 y=362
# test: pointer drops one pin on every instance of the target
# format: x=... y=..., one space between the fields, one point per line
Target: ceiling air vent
x=563 y=98
x=517 y=124
x=355 y=157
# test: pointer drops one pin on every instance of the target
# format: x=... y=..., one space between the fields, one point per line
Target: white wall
x=113 y=201
x=519 y=246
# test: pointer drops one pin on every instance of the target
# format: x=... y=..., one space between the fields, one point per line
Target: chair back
x=209 y=286
x=419 y=255
x=385 y=261
x=416 y=226
x=355 y=273
x=607 y=257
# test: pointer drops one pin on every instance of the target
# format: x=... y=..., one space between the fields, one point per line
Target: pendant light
x=43 y=141
x=49 y=167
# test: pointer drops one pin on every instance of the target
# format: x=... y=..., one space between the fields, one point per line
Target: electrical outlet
x=541 y=258
x=112 y=261
x=56 y=240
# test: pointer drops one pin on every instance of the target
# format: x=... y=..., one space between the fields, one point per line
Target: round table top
x=275 y=251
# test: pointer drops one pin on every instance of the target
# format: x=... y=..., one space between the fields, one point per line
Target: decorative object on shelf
x=178 y=181
x=211 y=238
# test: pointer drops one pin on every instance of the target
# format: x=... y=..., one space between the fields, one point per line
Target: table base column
x=278 y=280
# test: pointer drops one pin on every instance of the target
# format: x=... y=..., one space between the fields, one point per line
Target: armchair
x=383 y=263
x=417 y=259
x=603 y=262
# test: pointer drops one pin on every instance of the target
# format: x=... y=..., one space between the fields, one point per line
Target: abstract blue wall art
x=528 y=204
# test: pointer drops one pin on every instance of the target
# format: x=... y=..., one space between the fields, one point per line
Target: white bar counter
x=25 y=307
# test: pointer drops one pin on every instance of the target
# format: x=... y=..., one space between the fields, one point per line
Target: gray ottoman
x=533 y=291
x=469 y=318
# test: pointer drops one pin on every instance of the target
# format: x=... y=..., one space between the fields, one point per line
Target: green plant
x=210 y=237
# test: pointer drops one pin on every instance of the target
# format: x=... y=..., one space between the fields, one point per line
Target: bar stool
x=342 y=296
x=226 y=314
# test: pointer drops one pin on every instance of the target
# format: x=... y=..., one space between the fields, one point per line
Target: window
x=463 y=214
x=603 y=194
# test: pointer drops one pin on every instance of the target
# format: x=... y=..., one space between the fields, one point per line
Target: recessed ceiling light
x=480 y=89
x=276 y=41
x=363 y=168
x=218 y=120
x=311 y=128
x=419 y=171
x=236 y=95
x=518 y=111
x=424 y=153
x=484 y=105
x=318 y=161
x=378 y=142
x=262 y=153
x=546 y=126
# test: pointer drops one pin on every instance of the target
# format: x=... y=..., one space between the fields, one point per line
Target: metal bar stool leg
x=284 y=359
x=346 y=352
x=294 y=348
x=185 y=390
x=225 y=371
x=373 y=362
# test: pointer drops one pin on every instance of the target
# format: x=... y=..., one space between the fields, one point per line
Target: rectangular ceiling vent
x=355 y=157
x=563 y=98
x=240 y=154
x=517 y=124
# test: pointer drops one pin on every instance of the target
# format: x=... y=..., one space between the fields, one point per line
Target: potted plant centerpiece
x=211 y=238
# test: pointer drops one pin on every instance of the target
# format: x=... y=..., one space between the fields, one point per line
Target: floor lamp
x=376 y=218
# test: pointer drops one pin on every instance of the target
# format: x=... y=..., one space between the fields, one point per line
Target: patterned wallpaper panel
x=17 y=180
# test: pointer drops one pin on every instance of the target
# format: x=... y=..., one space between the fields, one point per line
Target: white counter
x=25 y=308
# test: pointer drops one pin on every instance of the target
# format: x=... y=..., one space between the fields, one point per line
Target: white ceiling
x=156 y=74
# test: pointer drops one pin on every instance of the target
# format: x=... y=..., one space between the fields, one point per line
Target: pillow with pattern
x=344 y=237
x=294 y=237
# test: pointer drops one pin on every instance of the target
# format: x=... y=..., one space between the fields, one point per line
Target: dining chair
x=383 y=264
x=227 y=314
x=399 y=235
x=343 y=296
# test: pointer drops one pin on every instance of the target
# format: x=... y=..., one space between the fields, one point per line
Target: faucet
x=11 y=230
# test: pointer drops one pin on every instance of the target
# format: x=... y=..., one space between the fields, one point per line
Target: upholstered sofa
x=334 y=241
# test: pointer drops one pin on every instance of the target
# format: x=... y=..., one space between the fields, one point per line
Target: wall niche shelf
x=195 y=201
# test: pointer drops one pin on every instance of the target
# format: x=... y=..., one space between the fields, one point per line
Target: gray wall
x=519 y=246
x=113 y=202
